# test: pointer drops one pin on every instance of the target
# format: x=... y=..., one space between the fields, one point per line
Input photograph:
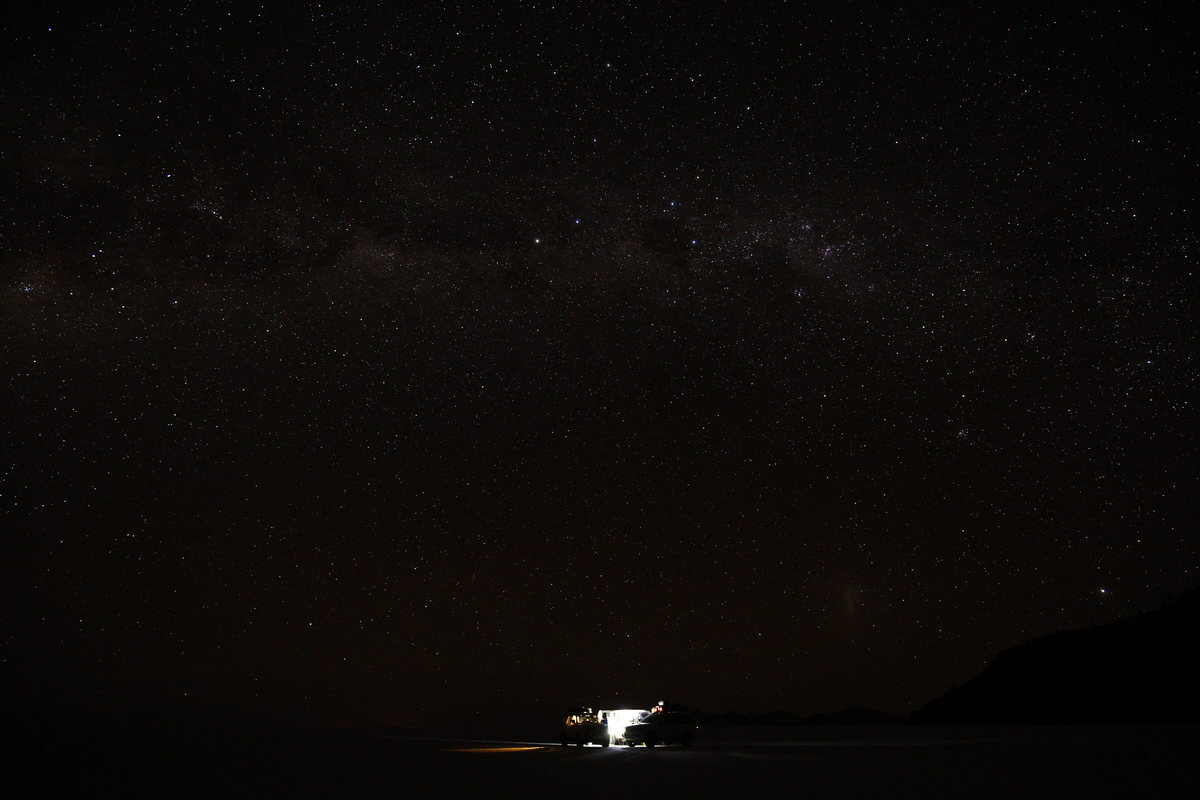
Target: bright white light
x=621 y=718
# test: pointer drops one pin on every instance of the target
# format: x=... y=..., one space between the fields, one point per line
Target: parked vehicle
x=582 y=726
x=661 y=727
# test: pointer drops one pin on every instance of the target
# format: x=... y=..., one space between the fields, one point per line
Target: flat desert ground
x=894 y=761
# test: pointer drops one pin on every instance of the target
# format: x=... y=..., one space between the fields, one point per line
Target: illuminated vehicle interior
x=621 y=718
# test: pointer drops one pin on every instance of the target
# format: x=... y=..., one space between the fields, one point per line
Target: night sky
x=395 y=364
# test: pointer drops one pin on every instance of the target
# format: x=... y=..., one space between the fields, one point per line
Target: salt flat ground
x=897 y=761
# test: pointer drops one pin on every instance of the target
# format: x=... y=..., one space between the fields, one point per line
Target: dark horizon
x=1132 y=670
x=408 y=366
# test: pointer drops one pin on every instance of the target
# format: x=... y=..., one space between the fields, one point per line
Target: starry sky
x=396 y=364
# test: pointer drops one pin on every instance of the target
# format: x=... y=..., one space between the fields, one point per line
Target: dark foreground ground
x=835 y=762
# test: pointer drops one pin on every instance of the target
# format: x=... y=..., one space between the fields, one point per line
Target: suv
x=661 y=727
x=581 y=727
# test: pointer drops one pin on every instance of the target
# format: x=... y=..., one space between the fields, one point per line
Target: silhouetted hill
x=1143 y=669
x=854 y=715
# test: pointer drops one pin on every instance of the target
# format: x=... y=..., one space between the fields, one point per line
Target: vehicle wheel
x=686 y=739
x=579 y=743
x=605 y=742
x=651 y=741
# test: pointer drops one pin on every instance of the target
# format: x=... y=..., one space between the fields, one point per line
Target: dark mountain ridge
x=1142 y=669
x=854 y=715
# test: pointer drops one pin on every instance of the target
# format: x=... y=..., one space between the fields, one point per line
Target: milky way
x=416 y=366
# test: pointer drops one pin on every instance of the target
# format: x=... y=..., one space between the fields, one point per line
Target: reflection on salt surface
x=522 y=749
